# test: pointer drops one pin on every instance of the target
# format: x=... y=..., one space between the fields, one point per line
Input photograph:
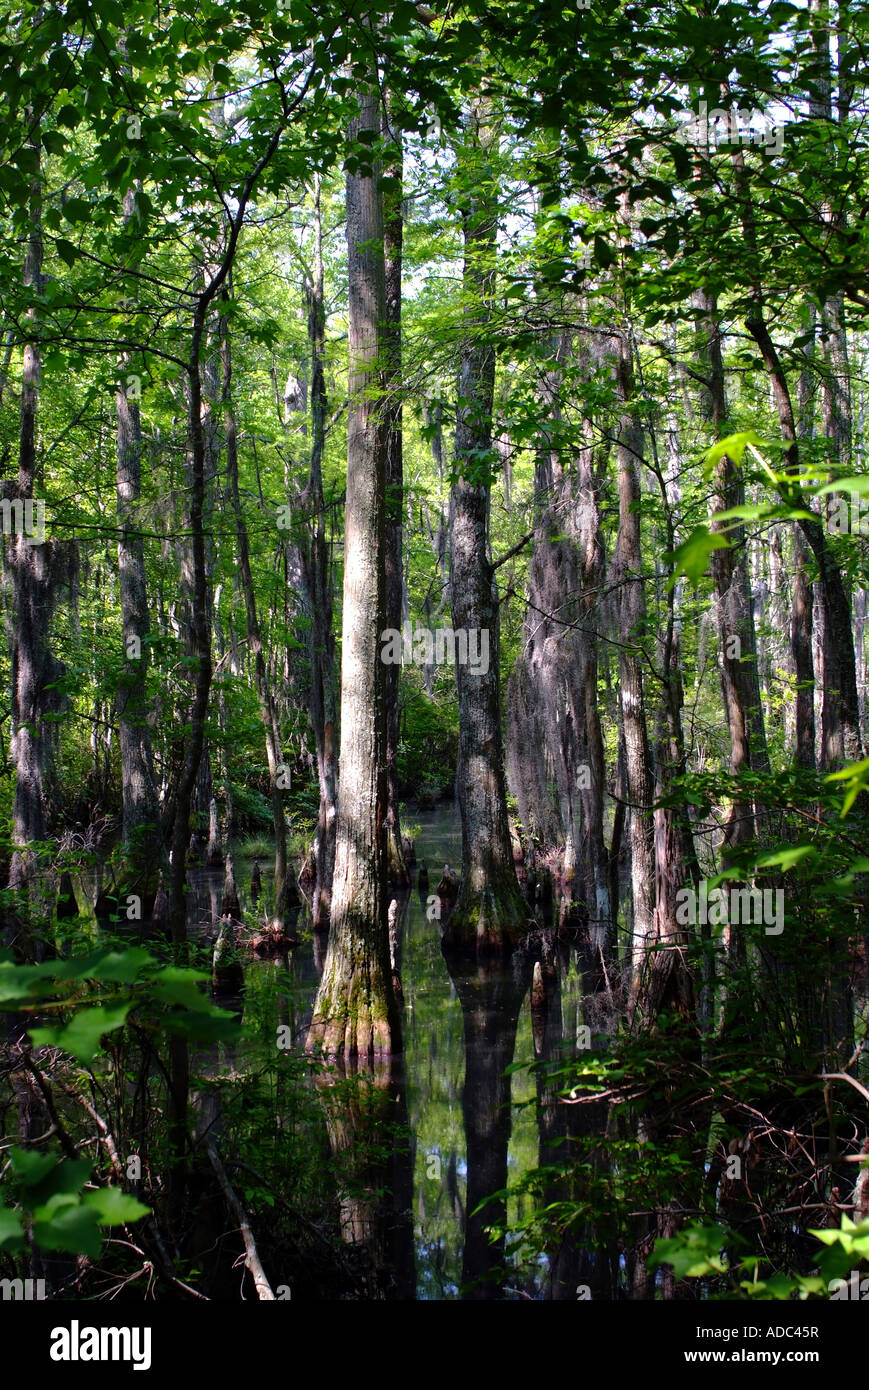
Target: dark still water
x=473 y=1129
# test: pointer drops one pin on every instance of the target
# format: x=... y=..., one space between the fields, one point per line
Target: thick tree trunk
x=355 y=1012
x=591 y=789
x=670 y=983
x=200 y=639
x=543 y=730
x=554 y=727
x=32 y=572
x=199 y=587
x=802 y=598
x=490 y=911
x=860 y=609
x=841 y=732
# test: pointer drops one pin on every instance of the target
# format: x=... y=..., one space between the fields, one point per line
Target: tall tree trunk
x=490 y=911
x=32 y=569
x=802 y=598
x=837 y=739
x=286 y=892
x=200 y=644
x=554 y=724
x=669 y=983
x=392 y=243
x=200 y=638
x=591 y=790
x=628 y=579
x=355 y=1012
x=142 y=837
x=316 y=574
x=199 y=588
x=860 y=608
x=801 y=652
x=740 y=684
x=840 y=678
x=543 y=731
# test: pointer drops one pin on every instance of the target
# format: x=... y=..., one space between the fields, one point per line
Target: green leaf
x=11 y=1230
x=733 y=446
x=762 y=512
x=691 y=558
x=175 y=985
x=66 y=1179
x=76 y=210
x=123 y=967
x=858 y=484
x=73 y=1229
x=79 y=967
x=115 y=1207
x=786 y=858
x=67 y=252
x=29 y=1167
x=19 y=984
x=603 y=252
x=215 y=1026
x=69 y=116
x=53 y=141
x=856 y=779
x=860 y=865
x=81 y=1037
x=693 y=1253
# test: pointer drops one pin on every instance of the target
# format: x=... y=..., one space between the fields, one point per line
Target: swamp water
x=454 y=1125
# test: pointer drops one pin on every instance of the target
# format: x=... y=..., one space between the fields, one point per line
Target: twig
x=106 y=1137
x=843 y=1076
x=66 y=1143
x=288 y=1206
x=252 y=1259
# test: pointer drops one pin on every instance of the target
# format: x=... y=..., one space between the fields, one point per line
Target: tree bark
x=142 y=836
x=316 y=576
x=627 y=576
x=840 y=678
x=839 y=686
x=32 y=572
x=801 y=653
x=490 y=911
x=740 y=684
x=355 y=1012
x=397 y=870
x=286 y=892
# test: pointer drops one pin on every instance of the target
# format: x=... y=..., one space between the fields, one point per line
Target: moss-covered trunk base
x=491 y=920
x=355 y=1013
